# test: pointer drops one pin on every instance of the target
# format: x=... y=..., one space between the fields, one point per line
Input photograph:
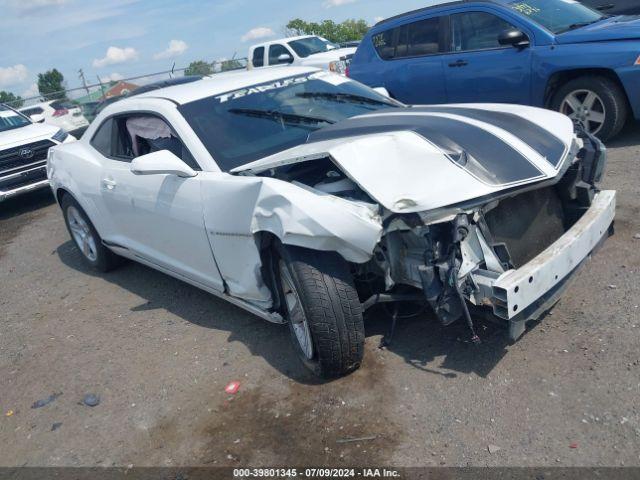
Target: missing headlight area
x=524 y=239
x=505 y=255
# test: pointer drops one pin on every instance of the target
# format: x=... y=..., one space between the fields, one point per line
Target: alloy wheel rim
x=81 y=234
x=296 y=313
x=586 y=108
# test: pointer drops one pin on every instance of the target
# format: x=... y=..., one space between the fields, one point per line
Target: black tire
x=105 y=260
x=613 y=99
x=324 y=285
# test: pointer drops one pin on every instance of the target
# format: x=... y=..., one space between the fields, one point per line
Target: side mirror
x=285 y=58
x=382 y=91
x=162 y=162
x=515 y=38
x=37 y=118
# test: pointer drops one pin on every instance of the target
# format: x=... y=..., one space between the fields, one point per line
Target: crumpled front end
x=480 y=207
x=509 y=255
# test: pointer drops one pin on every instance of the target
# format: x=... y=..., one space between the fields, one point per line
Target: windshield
x=10 y=119
x=311 y=45
x=558 y=16
x=245 y=125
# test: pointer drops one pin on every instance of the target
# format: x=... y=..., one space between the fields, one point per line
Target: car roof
x=281 y=40
x=222 y=83
x=39 y=104
x=436 y=7
x=169 y=82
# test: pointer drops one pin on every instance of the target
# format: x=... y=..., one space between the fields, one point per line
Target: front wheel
x=86 y=238
x=323 y=311
x=597 y=103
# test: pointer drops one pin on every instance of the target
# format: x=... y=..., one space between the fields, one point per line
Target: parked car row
x=59 y=113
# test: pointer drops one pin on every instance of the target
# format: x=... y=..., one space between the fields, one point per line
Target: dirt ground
x=159 y=353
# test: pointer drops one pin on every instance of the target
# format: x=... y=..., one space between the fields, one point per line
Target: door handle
x=459 y=63
x=108 y=183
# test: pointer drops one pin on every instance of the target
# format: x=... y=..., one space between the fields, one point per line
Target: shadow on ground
x=17 y=212
x=26 y=203
x=628 y=137
x=421 y=341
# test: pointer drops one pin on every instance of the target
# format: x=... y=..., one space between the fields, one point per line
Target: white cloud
x=175 y=48
x=378 y=19
x=336 y=3
x=116 y=55
x=114 y=77
x=258 y=32
x=13 y=75
x=32 y=91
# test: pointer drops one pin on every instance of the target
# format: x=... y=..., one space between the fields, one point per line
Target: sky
x=114 y=39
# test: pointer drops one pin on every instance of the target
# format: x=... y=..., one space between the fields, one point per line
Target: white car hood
x=423 y=158
x=325 y=58
x=26 y=134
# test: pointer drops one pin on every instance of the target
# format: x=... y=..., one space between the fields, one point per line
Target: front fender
x=237 y=207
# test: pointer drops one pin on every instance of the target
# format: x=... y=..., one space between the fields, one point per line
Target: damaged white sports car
x=307 y=198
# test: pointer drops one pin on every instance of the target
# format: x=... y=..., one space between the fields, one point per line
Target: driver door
x=478 y=69
x=157 y=217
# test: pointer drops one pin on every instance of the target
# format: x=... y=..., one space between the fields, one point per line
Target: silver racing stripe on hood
x=491 y=154
x=547 y=145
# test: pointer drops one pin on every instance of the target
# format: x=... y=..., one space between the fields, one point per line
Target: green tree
x=232 y=64
x=10 y=99
x=199 y=67
x=51 y=85
x=335 y=32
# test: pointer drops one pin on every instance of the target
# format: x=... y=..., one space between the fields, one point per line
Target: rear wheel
x=596 y=103
x=323 y=310
x=86 y=238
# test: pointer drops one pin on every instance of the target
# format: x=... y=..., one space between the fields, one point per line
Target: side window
x=258 y=57
x=383 y=43
x=138 y=134
x=122 y=144
x=476 y=31
x=275 y=51
x=101 y=140
x=32 y=111
x=424 y=37
x=411 y=40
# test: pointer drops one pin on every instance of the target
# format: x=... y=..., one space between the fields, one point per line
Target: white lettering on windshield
x=225 y=97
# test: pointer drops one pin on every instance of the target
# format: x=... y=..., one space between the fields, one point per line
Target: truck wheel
x=323 y=310
x=86 y=238
x=597 y=103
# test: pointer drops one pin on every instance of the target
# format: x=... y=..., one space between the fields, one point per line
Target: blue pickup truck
x=557 y=54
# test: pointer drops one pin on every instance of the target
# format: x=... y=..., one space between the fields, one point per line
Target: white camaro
x=307 y=198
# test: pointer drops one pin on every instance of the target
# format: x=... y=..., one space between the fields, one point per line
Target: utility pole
x=101 y=86
x=84 y=82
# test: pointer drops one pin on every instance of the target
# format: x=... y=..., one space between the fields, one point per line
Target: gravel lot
x=159 y=354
